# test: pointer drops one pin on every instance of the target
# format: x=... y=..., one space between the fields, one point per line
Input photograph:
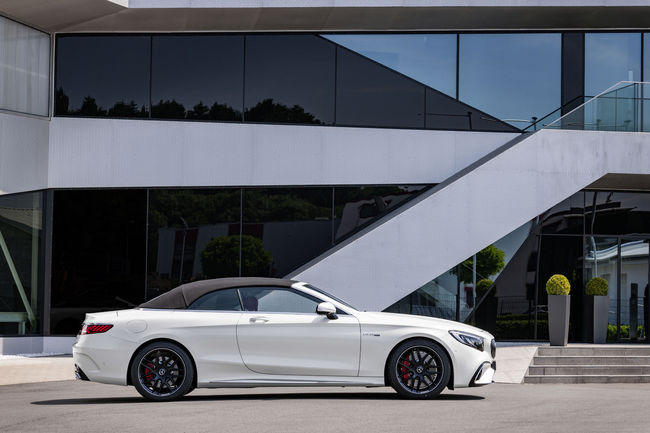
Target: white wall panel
x=23 y=153
x=137 y=153
x=24 y=68
x=442 y=229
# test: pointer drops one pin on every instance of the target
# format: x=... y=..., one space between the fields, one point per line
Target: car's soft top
x=182 y=296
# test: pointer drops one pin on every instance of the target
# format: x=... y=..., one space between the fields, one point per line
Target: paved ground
x=74 y=406
x=22 y=369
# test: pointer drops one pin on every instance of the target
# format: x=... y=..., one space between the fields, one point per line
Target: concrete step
x=591 y=360
x=589 y=370
x=595 y=351
x=587 y=379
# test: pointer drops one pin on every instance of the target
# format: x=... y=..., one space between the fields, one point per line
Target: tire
x=418 y=369
x=162 y=371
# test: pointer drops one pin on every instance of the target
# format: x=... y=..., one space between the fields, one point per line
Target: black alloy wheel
x=162 y=371
x=419 y=369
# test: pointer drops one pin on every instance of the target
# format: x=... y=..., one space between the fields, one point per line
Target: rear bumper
x=79 y=373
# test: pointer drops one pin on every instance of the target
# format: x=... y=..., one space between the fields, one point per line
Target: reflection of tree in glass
x=269 y=111
x=175 y=110
x=216 y=112
x=489 y=261
x=61 y=101
x=287 y=204
x=130 y=109
x=197 y=207
x=220 y=257
x=346 y=195
x=89 y=107
x=168 y=110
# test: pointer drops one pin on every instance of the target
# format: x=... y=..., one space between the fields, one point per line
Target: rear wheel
x=162 y=371
x=419 y=369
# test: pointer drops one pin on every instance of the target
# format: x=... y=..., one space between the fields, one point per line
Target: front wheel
x=162 y=371
x=419 y=369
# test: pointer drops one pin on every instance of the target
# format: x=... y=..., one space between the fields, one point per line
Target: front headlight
x=470 y=339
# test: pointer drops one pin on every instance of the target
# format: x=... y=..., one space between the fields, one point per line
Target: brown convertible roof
x=182 y=296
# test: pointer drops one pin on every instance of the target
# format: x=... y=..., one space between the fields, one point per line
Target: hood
x=420 y=322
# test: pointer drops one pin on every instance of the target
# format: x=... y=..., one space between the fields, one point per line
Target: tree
x=489 y=261
x=220 y=257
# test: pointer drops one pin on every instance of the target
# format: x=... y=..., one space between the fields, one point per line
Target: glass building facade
x=138 y=243
x=21 y=263
x=591 y=234
x=455 y=81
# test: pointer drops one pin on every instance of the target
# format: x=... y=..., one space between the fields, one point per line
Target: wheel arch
x=166 y=340
x=450 y=385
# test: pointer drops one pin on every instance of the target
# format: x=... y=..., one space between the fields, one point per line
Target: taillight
x=94 y=328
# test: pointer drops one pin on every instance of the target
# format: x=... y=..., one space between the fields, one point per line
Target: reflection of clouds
x=429 y=59
x=511 y=75
x=608 y=59
x=628 y=250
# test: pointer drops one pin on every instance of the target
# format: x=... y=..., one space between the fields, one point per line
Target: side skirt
x=301 y=382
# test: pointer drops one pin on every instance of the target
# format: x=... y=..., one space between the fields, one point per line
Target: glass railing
x=623 y=107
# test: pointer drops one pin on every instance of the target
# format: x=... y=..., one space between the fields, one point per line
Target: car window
x=222 y=300
x=277 y=300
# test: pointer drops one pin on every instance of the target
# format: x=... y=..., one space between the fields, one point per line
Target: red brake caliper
x=403 y=369
x=148 y=374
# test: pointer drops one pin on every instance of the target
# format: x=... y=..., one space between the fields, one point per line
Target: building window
x=289 y=79
x=193 y=235
x=21 y=239
x=102 y=76
x=197 y=77
x=98 y=254
x=514 y=76
x=284 y=228
x=369 y=94
x=610 y=58
x=427 y=58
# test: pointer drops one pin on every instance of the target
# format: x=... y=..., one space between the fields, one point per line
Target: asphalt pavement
x=75 y=406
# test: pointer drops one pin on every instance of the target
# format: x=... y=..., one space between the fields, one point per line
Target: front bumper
x=484 y=374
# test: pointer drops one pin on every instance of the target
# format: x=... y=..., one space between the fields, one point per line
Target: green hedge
x=625 y=332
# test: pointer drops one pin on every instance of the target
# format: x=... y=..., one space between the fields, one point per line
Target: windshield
x=323 y=292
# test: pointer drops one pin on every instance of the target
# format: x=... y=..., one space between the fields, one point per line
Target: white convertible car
x=249 y=332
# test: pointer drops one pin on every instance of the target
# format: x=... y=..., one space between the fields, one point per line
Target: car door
x=280 y=333
x=207 y=328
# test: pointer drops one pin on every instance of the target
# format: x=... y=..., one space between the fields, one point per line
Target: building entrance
x=624 y=263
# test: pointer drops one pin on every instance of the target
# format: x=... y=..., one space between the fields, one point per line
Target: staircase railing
x=624 y=107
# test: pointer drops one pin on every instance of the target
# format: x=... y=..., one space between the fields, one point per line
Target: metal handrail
x=621 y=85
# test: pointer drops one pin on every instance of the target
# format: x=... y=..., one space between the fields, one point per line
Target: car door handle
x=259 y=319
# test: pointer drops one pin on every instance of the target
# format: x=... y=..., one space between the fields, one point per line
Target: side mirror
x=328 y=309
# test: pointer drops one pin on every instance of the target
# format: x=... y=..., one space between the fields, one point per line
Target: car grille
x=493 y=348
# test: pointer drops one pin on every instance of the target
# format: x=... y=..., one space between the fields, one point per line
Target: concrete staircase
x=590 y=364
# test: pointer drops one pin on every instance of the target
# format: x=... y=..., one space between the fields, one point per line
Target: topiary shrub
x=597 y=287
x=482 y=287
x=558 y=285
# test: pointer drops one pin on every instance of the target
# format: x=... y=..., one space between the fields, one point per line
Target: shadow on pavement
x=251 y=397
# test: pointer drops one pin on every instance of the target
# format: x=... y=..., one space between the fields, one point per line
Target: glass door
x=601 y=260
x=632 y=288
